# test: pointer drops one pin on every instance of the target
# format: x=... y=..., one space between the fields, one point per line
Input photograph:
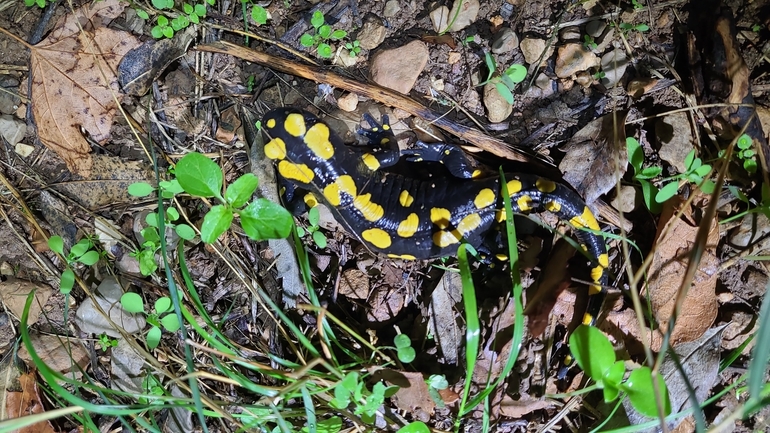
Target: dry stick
x=373 y=91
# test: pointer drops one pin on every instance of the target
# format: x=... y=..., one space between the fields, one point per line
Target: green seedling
x=763 y=207
x=589 y=43
x=259 y=15
x=354 y=48
x=322 y=33
x=82 y=252
x=165 y=27
x=756 y=28
x=637 y=4
x=106 y=342
x=152 y=386
x=506 y=81
x=695 y=171
x=314 y=218
x=627 y=27
x=404 y=349
x=598 y=75
x=39 y=3
x=160 y=316
x=436 y=383
x=351 y=390
x=595 y=355
x=745 y=153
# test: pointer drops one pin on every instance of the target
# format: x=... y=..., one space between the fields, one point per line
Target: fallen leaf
x=26 y=401
x=69 y=91
x=58 y=352
x=414 y=395
x=519 y=408
x=14 y=295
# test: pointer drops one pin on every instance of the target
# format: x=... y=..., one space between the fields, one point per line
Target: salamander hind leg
x=451 y=156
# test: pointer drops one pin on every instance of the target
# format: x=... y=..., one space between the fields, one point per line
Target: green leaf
x=635 y=153
x=750 y=166
x=240 y=191
x=641 y=392
x=338 y=34
x=490 y=61
x=263 y=219
x=162 y=21
x=317 y=19
x=415 y=427
x=156 y=32
x=140 y=189
x=159 y=4
x=611 y=381
x=89 y=258
x=642 y=27
x=406 y=354
x=708 y=187
x=505 y=92
x=649 y=191
x=216 y=222
x=325 y=31
x=703 y=170
x=194 y=18
x=737 y=193
x=151 y=219
x=172 y=214
x=649 y=173
x=185 y=232
x=689 y=160
x=168 y=32
x=200 y=10
x=163 y=304
x=153 y=338
x=259 y=15
x=744 y=142
x=669 y=190
x=141 y=13
x=132 y=302
x=327 y=425
x=199 y=176
x=150 y=234
x=319 y=239
x=402 y=340
x=171 y=186
x=314 y=216
x=170 y=322
x=592 y=351
x=187 y=8
x=56 y=244
x=67 y=281
x=324 y=51
x=517 y=73
x=179 y=23
x=350 y=382
x=306 y=40
x=147 y=264
x=80 y=248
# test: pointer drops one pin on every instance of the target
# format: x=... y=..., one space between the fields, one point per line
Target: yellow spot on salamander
x=299 y=172
x=500 y=215
x=553 y=206
x=441 y=217
x=476 y=173
x=344 y=184
x=384 y=141
x=588 y=319
x=484 y=198
x=270 y=123
x=545 y=185
x=317 y=140
x=310 y=200
x=402 y=256
x=586 y=220
x=525 y=203
x=405 y=198
x=598 y=271
x=371 y=161
x=501 y=257
x=514 y=186
x=408 y=227
x=468 y=224
x=444 y=238
x=370 y=210
x=275 y=149
x=377 y=237
x=295 y=125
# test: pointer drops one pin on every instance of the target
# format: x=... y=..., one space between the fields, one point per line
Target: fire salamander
x=406 y=214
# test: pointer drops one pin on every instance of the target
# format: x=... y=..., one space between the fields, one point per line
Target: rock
x=573 y=58
x=8 y=103
x=570 y=34
x=372 y=34
x=638 y=87
x=108 y=296
x=343 y=58
x=391 y=9
x=127 y=368
x=532 y=48
x=399 y=68
x=12 y=129
x=504 y=41
x=627 y=200
x=595 y=28
x=439 y=17
x=614 y=66
x=675 y=136
x=23 y=150
x=584 y=78
x=348 y=102
x=129 y=264
x=498 y=109
x=443 y=17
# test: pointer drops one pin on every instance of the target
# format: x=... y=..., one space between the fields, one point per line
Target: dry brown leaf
x=69 y=90
x=26 y=401
x=669 y=265
x=415 y=395
x=59 y=353
x=519 y=408
x=14 y=296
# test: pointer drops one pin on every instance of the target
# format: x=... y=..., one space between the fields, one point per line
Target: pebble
x=90 y=321
x=127 y=368
x=573 y=58
x=504 y=41
x=348 y=102
x=372 y=34
x=442 y=16
x=23 y=150
x=675 y=136
x=439 y=17
x=8 y=103
x=532 y=48
x=498 y=109
x=627 y=200
x=12 y=129
x=399 y=68
x=614 y=65
x=638 y=87
x=391 y=9
x=595 y=28
x=569 y=34
x=344 y=59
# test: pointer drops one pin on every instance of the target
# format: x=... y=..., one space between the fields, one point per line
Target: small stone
x=533 y=48
x=584 y=78
x=439 y=17
x=454 y=57
x=372 y=34
x=12 y=129
x=638 y=87
x=23 y=150
x=127 y=367
x=399 y=68
x=627 y=200
x=348 y=102
x=129 y=265
x=595 y=28
x=8 y=103
x=573 y=58
x=675 y=136
x=468 y=12
x=391 y=9
x=498 y=109
x=505 y=41
x=568 y=34
x=614 y=65
x=344 y=58
x=91 y=321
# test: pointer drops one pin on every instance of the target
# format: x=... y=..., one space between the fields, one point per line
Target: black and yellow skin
x=409 y=215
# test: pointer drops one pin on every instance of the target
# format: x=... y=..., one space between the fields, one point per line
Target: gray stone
x=504 y=41
x=498 y=109
x=12 y=129
x=91 y=321
x=399 y=68
x=391 y=9
x=595 y=28
x=614 y=65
